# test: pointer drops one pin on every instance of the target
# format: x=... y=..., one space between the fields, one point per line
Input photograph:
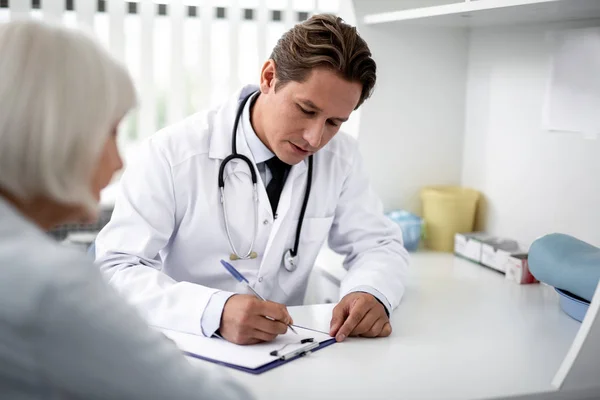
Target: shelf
x=479 y=13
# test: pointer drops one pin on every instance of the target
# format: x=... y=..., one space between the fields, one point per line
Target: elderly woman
x=63 y=332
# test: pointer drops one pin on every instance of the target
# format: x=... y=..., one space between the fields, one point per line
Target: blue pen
x=240 y=278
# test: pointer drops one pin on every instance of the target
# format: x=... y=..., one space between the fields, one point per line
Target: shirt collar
x=260 y=152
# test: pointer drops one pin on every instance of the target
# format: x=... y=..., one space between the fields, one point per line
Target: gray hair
x=60 y=96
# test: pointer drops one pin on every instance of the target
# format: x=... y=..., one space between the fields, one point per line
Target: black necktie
x=279 y=170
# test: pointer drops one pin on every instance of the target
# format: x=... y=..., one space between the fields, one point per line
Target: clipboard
x=254 y=359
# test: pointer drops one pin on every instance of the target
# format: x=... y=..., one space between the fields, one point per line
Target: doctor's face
x=299 y=118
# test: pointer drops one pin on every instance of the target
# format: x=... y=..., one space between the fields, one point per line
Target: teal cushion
x=566 y=263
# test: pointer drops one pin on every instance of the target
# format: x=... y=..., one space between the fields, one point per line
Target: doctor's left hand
x=359 y=314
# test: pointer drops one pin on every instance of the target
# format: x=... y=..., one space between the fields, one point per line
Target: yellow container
x=447 y=210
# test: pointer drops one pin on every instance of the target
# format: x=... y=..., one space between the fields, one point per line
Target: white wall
x=535 y=182
x=411 y=130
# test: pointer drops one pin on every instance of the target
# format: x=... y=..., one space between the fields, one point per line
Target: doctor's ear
x=267 y=76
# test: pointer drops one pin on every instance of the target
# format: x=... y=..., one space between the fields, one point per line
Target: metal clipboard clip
x=303 y=351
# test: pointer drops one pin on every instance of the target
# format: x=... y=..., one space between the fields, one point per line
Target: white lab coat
x=162 y=247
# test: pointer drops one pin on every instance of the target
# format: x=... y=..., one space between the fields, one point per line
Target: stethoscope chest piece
x=235 y=257
x=290 y=261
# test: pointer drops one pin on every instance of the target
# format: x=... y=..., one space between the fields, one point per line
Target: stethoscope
x=290 y=258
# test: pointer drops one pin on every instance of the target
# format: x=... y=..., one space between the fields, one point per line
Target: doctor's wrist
x=381 y=299
x=383 y=305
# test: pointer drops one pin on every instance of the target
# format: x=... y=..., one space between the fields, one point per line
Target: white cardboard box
x=517 y=269
x=495 y=252
x=503 y=255
x=468 y=245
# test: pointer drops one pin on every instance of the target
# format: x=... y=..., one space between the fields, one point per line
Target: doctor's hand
x=359 y=314
x=248 y=320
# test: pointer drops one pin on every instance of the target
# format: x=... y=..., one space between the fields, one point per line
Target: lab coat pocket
x=313 y=236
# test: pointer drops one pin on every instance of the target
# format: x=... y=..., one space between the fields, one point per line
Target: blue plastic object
x=411 y=226
x=565 y=262
x=575 y=307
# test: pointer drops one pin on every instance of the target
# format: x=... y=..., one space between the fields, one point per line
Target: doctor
x=189 y=200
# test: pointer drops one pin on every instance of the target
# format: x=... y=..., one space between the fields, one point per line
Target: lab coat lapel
x=239 y=204
x=238 y=182
x=222 y=126
x=264 y=206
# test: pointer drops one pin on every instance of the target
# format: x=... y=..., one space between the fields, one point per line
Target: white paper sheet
x=573 y=98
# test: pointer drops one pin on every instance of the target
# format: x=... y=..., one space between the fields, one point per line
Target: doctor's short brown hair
x=327 y=41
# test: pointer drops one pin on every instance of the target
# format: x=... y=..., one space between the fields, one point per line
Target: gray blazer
x=65 y=334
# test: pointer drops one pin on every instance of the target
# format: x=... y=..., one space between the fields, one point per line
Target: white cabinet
x=477 y=13
x=460 y=100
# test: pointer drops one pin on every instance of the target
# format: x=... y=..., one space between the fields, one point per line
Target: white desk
x=461 y=332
